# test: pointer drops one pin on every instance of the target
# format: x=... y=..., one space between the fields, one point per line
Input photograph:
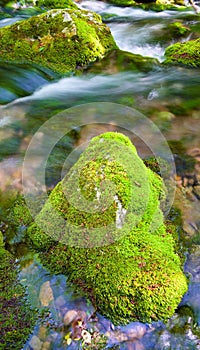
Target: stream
x=169 y=97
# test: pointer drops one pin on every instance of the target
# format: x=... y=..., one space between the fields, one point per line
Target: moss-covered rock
x=60 y=39
x=187 y=53
x=119 y=61
x=56 y=4
x=16 y=318
x=162 y=4
x=113 y=242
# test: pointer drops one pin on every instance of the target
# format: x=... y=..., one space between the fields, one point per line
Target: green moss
x=58 y=39
x=122 y=2
x=16 y=318
x=131 y=272
x=187 y=53
x=55 y=4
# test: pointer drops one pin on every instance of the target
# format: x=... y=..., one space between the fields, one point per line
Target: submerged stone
x=61 y=39
x=102 y=226
x=187 y=53
x=55 y=4
x=120 y=61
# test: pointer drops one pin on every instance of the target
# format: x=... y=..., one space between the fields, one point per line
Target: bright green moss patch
x=119 y=61
x=187 y=53
x=56 y=4
x=113 y=242
x=16 y=318
x=157 y=4
x=58 y=39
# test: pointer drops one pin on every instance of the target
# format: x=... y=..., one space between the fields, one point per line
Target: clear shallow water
x=30 y=96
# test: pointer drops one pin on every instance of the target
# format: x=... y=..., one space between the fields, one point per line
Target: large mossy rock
x=113 y=242
x=187 y=53
x=61 y=39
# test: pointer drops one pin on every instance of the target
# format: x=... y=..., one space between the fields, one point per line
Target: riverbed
x=168 y=97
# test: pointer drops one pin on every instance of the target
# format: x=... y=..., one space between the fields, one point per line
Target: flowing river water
x=170 y=97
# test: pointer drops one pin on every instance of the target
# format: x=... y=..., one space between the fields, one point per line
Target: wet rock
x=189 y=228
x=46 y=345
x=60 y=301
x=131 y=332
x=35 y=343
x=135 y=346
x=46 y=294
x=69 y=317
x=135 y=330
x=193 y=264
x=42 y=333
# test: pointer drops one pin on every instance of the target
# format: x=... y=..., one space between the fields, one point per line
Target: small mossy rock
x=158 y=3
x=119 y=61
x=113 y=242
x=187 y=53
x=61 y=39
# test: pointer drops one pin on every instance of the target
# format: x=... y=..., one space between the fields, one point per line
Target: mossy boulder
x=158 y=3
x=16 y=318
x=55 y=4
x=102 y=226
x=61 y=39
x=120 y=61
x=187 y=53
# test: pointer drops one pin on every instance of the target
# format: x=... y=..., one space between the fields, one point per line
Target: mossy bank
x=16 y=319
x=61 y=39
x=55 y=4
x=187 y=53
x=113 y=243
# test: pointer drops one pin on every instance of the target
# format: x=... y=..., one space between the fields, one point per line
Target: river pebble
x=46 y=345
x=69 y=317
x=46 y=294
x=42 y=333
x=131 y=332
x=60 y=301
